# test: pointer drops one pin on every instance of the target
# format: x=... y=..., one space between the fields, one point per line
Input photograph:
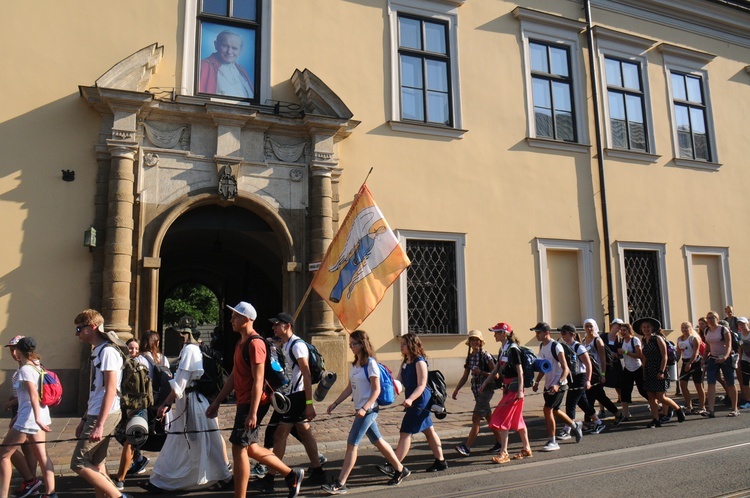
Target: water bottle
x=325 y=384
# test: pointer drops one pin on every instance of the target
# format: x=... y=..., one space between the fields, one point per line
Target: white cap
x=617 y=321
x=743 y=320
x=245 y=309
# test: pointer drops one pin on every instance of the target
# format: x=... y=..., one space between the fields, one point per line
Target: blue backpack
x=387 y=390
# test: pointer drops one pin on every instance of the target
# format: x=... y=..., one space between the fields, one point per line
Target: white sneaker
x=563 y=436
x=551 y=446
x=578 y=431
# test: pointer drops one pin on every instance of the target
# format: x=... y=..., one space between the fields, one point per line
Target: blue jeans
x=712 y=369
x=365 y=425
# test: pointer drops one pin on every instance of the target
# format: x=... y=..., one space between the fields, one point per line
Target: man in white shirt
x=103 y=409
x=555 y=384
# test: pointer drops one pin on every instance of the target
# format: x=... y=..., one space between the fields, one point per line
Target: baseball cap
x=501 y=327
x=13 y=342
x=26 y=345
x=571 y=329
x=617 y=321
x=283 y=318
x=541 y=326
x=245 y=309
x=743 y=319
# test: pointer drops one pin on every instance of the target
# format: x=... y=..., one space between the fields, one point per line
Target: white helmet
x=280 y=402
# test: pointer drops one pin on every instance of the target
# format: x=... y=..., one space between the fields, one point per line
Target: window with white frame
x=432 y=293
x=566 y=280
x=552 y=57
x=643 y=281
x=424 y=67
x=687 y=83
x=227 y=50
x=709 y=280
x=628 y=114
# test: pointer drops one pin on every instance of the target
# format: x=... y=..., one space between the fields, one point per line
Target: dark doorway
x=231 y=251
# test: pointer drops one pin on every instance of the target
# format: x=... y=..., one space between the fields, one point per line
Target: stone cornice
x=134 y=72
x=317 y=97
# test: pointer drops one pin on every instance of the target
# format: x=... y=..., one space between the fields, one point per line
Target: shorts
x=554 y=400
x=296 y=413
x=745 y=369
x=482 y=402
x=692 y=371
x=365 y=425
x=240 y=436
x=92 y=454
x=712 y=369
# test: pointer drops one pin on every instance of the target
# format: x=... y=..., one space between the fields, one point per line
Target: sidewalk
x=331 y=431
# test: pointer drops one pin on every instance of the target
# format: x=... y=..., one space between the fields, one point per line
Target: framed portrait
x=227 y=64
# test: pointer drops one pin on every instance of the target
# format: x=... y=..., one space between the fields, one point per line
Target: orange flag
x=363 y=260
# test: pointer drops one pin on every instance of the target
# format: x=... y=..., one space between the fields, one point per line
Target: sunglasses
x=80 y=328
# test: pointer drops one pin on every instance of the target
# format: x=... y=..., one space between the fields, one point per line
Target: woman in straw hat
x=479 y=363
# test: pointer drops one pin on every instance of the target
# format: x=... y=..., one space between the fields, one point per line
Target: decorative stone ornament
x=227 y=183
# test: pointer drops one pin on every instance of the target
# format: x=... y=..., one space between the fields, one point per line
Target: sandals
x=734 y=413
x=523 y=454
x=501 y=458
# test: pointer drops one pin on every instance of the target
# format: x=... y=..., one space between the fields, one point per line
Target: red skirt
x=508 y=416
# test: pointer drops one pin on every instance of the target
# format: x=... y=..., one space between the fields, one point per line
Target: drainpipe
x=600 y=162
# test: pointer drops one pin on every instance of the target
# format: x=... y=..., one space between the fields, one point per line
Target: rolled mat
x=542 y=365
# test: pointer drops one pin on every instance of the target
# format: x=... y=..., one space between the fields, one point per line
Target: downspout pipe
x=596 y=97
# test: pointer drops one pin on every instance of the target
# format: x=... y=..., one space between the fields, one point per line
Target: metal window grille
x=642 y=282
x=432 y=287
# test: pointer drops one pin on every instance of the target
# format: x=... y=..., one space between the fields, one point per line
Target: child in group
x=479 y=364
x=31 y=422
x=364 y=387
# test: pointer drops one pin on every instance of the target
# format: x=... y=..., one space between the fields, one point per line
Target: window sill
x=426 y=129
x=544 y=143
x=693 y=164
x=643 y=157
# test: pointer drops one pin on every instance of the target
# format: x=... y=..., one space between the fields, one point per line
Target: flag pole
x=309 y=287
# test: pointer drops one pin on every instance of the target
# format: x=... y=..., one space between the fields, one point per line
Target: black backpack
x=214 y=375
x=735 y=339
x=160 y=377
x=436 y=383
x=315 y=361
x=574 y=363
x=277 y=370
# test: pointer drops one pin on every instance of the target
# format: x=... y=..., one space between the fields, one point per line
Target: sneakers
x=708 y=414
x=680 y=415
x=497 y=447
x=551 y=446
x=316 y=478
x=120 y=485
x=601 y=414
x=335 y=488
x=745 y=406
x=619 y=418
x=294 y=482
x=563 y=436
x=438 y=466
x=28 y=488
x=653 y=423
x=668 y=417
x=386 y=469
x=321 y=458
x=598 y=429
x=400 y=476
x=138 y=466
x=259 y=470
x=463 y=450
x=264 y=485
x=578 y=431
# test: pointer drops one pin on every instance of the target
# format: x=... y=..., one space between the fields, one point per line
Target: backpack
x=135 y=389
x=214 y=375
x=527 y=364
x=671 y=352
x=160 y=377
x=314 y=360
x=735 y=345
x=484 y=366
x=50 y=388
x=387 y=390
x=574 y=363
x=436 y=383
x=277 y=371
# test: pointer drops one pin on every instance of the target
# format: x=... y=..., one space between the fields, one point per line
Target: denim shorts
x=365 y=425
x=712 y=368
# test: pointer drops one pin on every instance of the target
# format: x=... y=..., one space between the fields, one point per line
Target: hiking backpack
x=387 y=389
x=50 y=388
x=527 y=365
x=671 y=352
x=214 y=375
x=277 y=370
x=436 y=383
x=135 y=389
x=160 y=377
x=314 y=360
x=735 y=345
x=574 y=363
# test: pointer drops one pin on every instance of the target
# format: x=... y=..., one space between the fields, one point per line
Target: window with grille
x=626 y=104
x=690 y=116
x=552 y=91
x=432 y=290
x=642 y=281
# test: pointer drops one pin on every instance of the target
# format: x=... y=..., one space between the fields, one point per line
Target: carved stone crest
x=227 y=183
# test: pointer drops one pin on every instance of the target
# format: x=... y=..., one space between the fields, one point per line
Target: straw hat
x=475 y=333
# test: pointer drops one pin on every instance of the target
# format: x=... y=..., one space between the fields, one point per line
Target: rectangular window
x=643 y=285
x=228 y=39
x=552 y=89
x=690 y=116
x=709 y=280
x=626 y=105
x=424 y=66
x=566 y=280
x=432 y=291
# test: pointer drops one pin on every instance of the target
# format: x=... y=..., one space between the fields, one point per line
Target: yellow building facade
x=546 y=160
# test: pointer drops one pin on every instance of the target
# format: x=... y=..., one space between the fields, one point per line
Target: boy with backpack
x=302 y=410
x=248 y=380
x=555 y=384
x=103 y=408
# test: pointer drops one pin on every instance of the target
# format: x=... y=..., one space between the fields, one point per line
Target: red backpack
x=50 y=388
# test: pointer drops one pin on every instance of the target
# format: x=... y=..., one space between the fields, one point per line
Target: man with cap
x=247 y=380
x=555 y=385
x=302 y=410
x=193 y=455
x=103 y=407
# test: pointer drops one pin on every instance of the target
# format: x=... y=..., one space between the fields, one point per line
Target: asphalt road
x=698 y=458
